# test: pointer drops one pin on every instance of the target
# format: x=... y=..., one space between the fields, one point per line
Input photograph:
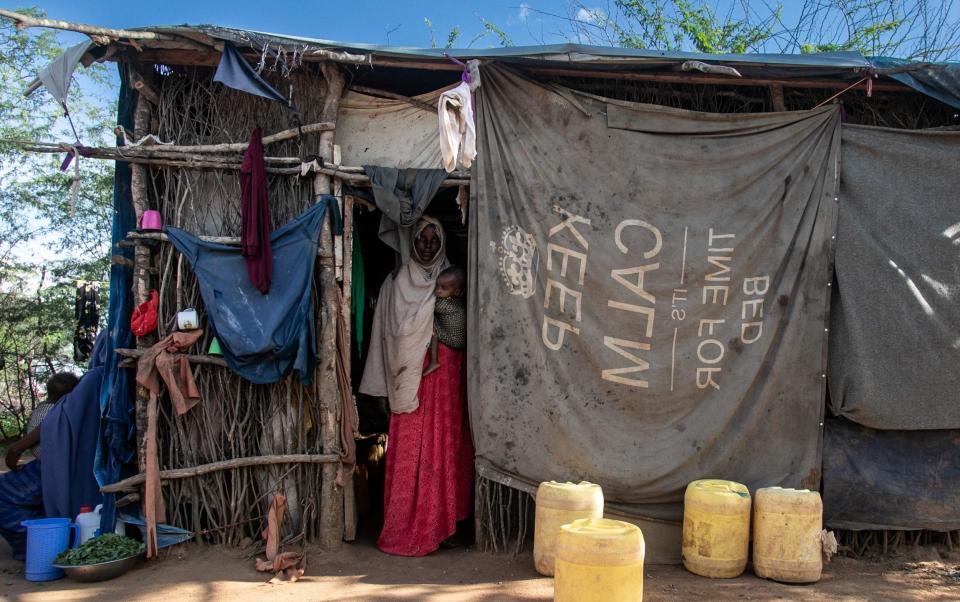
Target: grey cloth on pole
x=235 y=72
x=895 y=340
x=402 y=195
x=56 y=76
x=649 y=293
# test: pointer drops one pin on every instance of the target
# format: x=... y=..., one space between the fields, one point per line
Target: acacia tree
x=914 y=29
x=54 y=226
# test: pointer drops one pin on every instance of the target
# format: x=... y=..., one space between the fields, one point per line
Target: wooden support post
x=776 y=97
x=331 y=498
x=142 y=265
x=349 y=500
x=145 y=89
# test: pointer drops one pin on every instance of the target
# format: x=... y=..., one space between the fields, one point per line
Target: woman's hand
x=13 y=458
x=21 y=445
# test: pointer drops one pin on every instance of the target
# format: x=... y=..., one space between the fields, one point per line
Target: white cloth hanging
x=458 y=134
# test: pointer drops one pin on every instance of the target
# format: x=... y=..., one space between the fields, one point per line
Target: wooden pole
x=331 y=498
x=22 y=21
x=776 y=97
x=131 y=483
x=141 y=272
x=687 y=78
x=349 y=499
x=210 y=360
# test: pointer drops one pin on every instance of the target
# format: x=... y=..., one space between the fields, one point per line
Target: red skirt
x=429 y=475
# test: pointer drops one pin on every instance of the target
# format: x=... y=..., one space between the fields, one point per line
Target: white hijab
x=402 y=326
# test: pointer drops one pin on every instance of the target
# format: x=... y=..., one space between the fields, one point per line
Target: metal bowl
x=100 y=571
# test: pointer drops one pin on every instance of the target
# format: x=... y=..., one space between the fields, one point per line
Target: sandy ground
x=360 y=572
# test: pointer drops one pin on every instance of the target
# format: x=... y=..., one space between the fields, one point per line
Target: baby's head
x=451 y=282
x=60 y=384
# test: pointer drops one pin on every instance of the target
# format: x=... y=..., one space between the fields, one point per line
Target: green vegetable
x=104 y=548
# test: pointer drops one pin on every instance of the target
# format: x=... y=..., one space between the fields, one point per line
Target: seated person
x=20 y=489
x=58 y=385
x=449 y=314
x=60 y=481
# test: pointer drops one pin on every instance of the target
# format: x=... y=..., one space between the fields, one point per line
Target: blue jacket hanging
x=263 y=336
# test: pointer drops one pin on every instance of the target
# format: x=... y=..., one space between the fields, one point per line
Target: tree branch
x=183 y=473
x=98 y=34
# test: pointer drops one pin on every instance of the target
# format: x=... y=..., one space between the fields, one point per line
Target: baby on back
x=449 y=314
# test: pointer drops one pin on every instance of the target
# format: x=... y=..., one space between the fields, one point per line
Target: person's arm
x=434 y=364
x=17 y=448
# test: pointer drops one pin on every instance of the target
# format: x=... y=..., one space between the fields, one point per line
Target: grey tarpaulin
x=235 y=72
x=402 y=195
x=890 y=479
x=649 y=293
x=388 y=132
x=57 y=75
x=895 y=345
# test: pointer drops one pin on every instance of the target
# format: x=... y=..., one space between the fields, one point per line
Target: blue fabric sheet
x=262 y=336
x=68 y=444
x=20 y=500
x=235 y=72
x=116 y=448
x=937 y=80
x=167 y=535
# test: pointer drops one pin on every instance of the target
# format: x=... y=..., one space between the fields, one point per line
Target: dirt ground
x=360 y=572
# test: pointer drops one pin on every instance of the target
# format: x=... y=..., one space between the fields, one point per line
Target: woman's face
x=427 y=244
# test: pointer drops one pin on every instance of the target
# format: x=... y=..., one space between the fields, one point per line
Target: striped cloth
x=39 y=412
x=36 y=417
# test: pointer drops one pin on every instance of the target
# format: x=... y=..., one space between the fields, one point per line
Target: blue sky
x=399 y=22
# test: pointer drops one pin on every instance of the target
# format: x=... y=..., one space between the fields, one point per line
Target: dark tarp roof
x=938 y=80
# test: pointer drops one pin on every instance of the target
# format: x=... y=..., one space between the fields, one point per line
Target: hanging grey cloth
x=894 y=346
x=235 y=72
x=402 y=195
x=56 y=76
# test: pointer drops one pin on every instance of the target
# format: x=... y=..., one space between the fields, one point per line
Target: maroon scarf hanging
x=255 y=215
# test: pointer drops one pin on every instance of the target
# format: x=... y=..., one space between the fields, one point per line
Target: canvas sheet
x=890 y=479
x=895 y=345
x=649 y=293
x=387 y=132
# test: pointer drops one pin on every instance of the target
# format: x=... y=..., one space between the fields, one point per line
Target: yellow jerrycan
x=599 y=559
x=716 y=528
x=786 y=534
x=558 y=504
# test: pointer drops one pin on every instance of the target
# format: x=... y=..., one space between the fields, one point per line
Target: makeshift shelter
x=650 y=240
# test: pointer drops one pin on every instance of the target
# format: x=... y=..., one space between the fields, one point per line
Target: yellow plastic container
x=599 y=559
x=557 y=505
x=786 y=534
x=716 y=528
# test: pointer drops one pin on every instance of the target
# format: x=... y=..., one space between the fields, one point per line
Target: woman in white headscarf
x=429 y=473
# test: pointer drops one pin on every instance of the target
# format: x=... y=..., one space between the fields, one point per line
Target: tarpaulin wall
x=651 y=285
x=389 y=133
x=895 y=349
x=116 y=450
x=895 y=340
